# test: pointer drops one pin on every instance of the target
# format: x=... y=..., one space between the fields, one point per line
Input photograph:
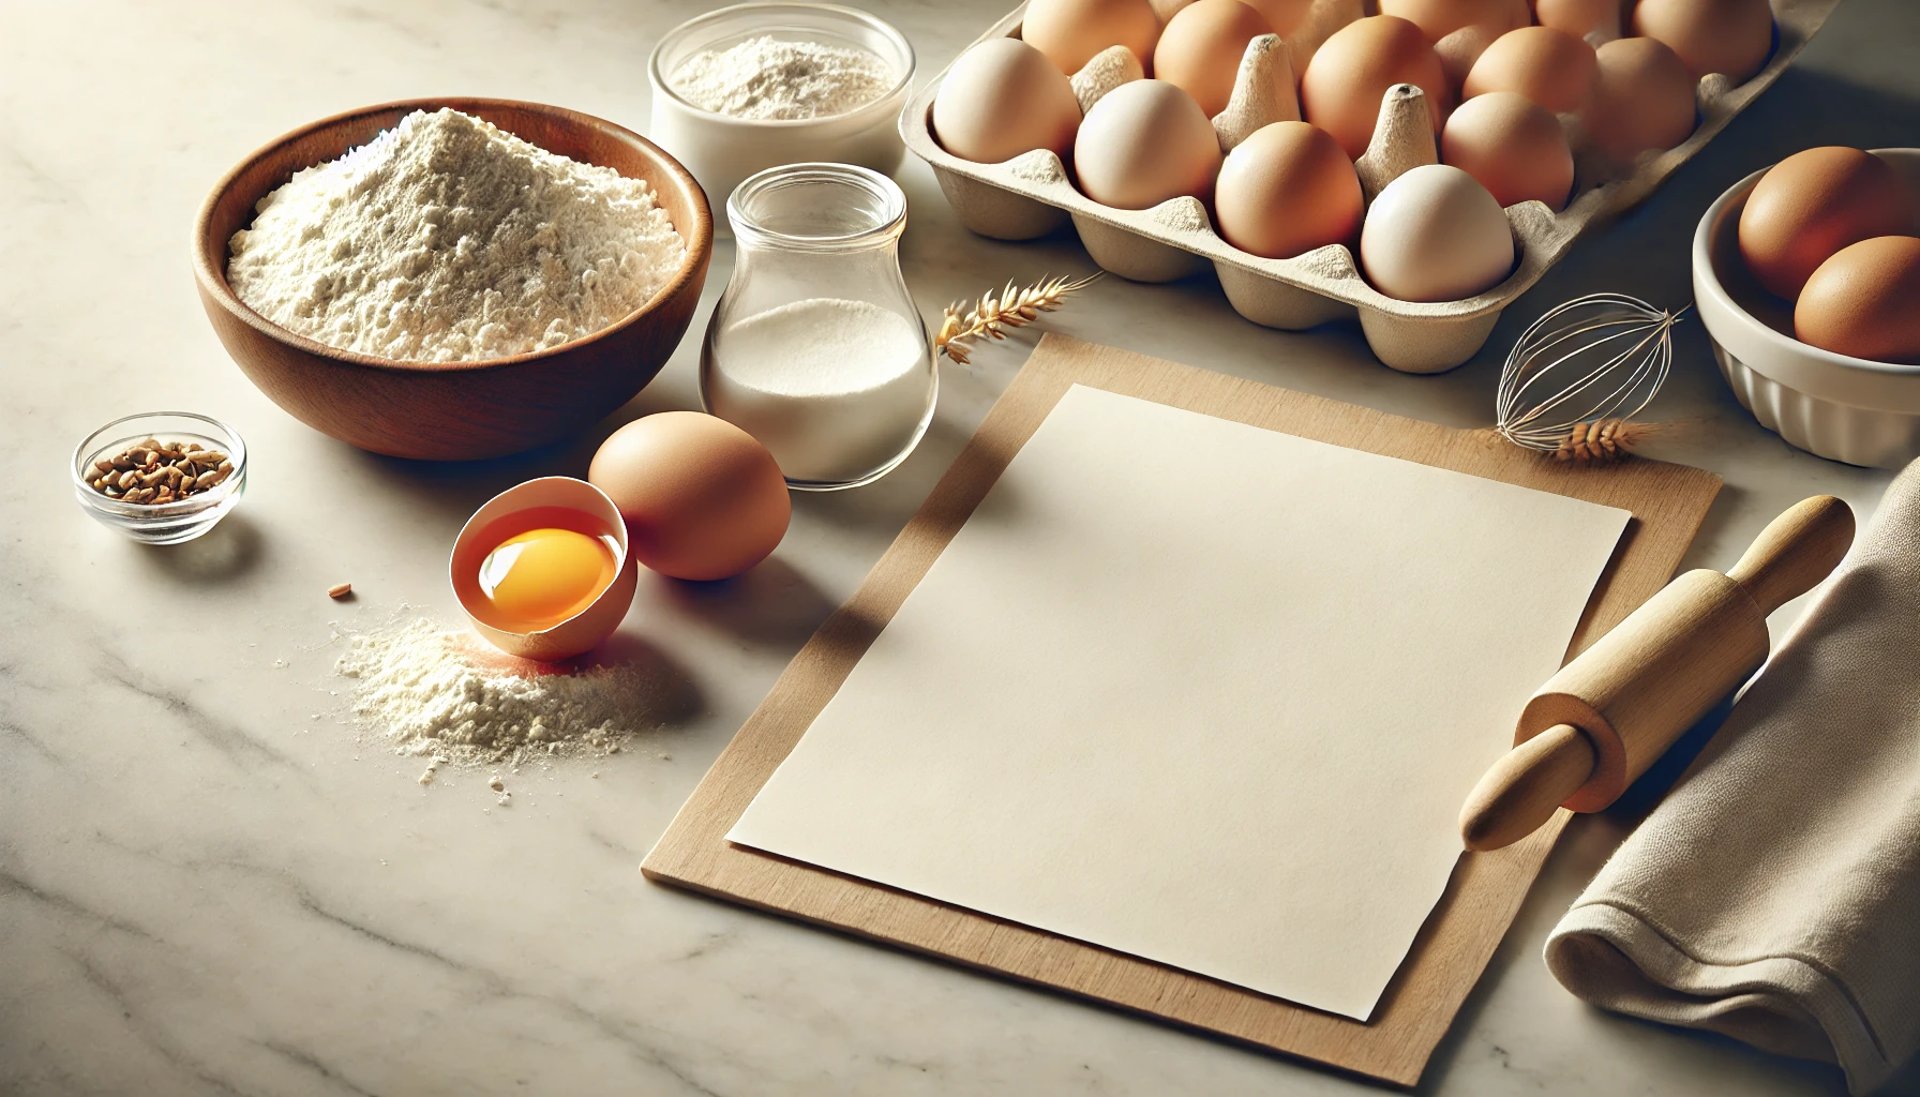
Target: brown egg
x=1287 y=190
x=1513 y=146
x=1726 y=36
x=1070 y=32
x=1200 y=49
x=1439 y=18
x=1581 y=17
x=1643 y=98
x=1284 y=16
x=1003 y=98
x=1865 y=302
x=1341 y=90
x=1144 y=142
x=701 y=498
x=1550 y=67
x=1459 y=50
x=1812 y=204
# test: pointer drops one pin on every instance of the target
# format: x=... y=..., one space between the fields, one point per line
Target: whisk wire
x=1591 y=377
x=1606 y=354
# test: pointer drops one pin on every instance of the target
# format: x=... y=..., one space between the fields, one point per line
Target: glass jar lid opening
x=818 y=207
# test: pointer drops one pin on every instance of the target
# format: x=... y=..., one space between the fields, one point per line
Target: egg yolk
x=544 y=576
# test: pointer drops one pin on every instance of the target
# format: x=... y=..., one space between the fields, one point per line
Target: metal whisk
x=1576 y=378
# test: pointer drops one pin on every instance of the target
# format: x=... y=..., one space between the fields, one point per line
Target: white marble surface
x=204 y=888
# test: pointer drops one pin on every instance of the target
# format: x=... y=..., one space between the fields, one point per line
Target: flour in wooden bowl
x=447 y=239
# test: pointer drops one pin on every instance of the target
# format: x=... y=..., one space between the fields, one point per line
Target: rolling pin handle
x=1795 y=552
x=1525 y=788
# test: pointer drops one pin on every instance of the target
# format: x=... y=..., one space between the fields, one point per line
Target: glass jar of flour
x=816 y=348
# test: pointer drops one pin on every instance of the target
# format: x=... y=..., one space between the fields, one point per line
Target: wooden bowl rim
x=212 y=275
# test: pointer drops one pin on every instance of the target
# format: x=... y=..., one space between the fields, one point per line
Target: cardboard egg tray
x=1033 y=194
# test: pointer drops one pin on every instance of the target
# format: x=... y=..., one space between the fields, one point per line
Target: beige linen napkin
x=1774 y=896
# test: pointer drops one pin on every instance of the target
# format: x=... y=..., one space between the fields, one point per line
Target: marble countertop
x=209 y=884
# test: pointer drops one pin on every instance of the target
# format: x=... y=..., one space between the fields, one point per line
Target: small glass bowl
x=165 y=523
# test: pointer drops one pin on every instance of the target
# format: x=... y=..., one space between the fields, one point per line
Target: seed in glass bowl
x=152 y=472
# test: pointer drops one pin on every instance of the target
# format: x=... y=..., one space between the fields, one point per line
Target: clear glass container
x=165 y=523
x=816 y=347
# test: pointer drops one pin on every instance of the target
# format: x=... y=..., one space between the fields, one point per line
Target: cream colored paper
x=1196 y=691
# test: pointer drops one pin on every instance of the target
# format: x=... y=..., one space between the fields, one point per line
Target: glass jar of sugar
x=816 y=347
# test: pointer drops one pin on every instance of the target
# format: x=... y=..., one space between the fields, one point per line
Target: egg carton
x=1033 y=195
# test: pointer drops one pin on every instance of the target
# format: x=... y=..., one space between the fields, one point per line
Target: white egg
x=1003 y=98
x=1145 y=142
x=1435 y=234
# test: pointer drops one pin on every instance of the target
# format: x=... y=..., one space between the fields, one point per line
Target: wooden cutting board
x=1668 y=503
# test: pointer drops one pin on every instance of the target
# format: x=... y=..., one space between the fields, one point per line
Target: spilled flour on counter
x=446 y=697
x=448 y=239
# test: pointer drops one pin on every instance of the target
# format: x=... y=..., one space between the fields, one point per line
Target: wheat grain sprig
x=995 y=314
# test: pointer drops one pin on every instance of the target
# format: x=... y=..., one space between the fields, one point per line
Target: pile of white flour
x=438 y=695
x=447 y=239
x=768 y=78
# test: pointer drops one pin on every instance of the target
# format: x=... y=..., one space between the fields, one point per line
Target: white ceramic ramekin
x=1846 y=409
x=721 y=151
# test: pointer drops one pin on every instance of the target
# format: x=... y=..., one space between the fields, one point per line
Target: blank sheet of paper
x=1199 y=692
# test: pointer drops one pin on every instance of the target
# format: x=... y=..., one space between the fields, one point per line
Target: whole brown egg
x=1643 y=98
x=1865 y=302
x=1812 y=204
x=1581 y=17
x=1513 y=146
x=1284 y=16
x=702 y=499
x=1286 y=190
x=1439 y=18
x=1070 y=32
x=1550 y=67
x=1199 y=51
x=1724 y=36
x=1341 y=90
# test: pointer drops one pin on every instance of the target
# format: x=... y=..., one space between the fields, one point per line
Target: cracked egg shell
x=549 y=502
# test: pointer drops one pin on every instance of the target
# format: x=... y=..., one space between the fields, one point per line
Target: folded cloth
x=1774 y=895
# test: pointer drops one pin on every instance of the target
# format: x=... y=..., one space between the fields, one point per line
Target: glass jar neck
x=819 y=208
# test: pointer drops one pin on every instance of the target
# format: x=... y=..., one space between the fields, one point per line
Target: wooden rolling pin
x=1599 y=723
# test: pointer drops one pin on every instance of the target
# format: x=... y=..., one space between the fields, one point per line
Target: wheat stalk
x=1601 y=441
x=993 y=315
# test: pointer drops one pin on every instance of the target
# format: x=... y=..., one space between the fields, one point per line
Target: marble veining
x=210 y=883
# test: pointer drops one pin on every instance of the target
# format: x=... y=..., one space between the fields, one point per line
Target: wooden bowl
x=454 y=410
